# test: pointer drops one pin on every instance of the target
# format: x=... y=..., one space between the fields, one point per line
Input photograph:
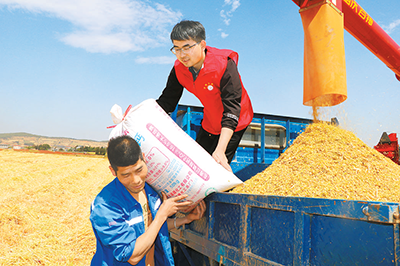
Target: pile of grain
x=328 y=162
x=44 y=207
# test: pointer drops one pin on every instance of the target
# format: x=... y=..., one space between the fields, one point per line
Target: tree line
x=96 y=150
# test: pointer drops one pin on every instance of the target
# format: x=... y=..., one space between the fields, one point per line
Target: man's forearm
x=174 y=223
x=145 y=241
x=224 y=138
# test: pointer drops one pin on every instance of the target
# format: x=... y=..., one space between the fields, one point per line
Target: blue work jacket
x=117 y=221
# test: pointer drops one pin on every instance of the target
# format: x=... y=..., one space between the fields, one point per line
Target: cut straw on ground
x=44 y=207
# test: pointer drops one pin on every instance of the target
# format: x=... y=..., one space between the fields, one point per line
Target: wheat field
x=44 y=207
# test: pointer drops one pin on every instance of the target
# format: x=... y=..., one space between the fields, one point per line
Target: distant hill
x=26 y=139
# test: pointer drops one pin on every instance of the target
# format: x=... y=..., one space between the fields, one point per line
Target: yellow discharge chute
x=324 y=57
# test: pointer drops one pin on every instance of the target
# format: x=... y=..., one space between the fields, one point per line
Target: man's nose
x=137 y=179
x=181 y=54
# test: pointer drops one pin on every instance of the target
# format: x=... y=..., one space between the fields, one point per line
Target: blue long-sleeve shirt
x=117 y=221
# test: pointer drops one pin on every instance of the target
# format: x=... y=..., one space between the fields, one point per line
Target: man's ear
x=112 y=170
x=203 y=44
x=144 y=157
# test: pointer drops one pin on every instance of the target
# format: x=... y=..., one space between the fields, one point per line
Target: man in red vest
x=211 y=75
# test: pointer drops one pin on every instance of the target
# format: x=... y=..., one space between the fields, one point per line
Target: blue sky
x=65 y=63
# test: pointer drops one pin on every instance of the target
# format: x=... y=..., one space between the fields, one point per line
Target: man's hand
x=219 y=152
x=172 y=205
x=220 y=157
x=197 y=213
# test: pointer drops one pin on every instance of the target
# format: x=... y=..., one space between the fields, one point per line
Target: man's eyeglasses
x=185 y=49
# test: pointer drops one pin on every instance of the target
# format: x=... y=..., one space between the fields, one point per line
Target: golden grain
x=326 y=161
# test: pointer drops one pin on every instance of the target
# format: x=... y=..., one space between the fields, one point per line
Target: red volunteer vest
x=207 y=89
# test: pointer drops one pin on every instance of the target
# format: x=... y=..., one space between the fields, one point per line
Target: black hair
x=188 y=29
x=123 y=151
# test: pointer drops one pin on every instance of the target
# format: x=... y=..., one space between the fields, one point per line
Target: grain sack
x=326 y=161
x=176 y=163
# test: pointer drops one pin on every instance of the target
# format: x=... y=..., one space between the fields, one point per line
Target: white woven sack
x=176 y=163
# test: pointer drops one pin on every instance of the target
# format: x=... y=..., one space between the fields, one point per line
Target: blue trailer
x=256 y=151
x=258 y=230
x=242 y=229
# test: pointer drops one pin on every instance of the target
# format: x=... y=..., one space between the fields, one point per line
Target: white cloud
x=101 y=42
x=234 y=3
x=224 y=35
x=392 y=26
x=106 y=26
x=156 y=60
x=226 y=15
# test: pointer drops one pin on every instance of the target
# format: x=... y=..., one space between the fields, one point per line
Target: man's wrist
x=180 y=221
x=175 y=225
